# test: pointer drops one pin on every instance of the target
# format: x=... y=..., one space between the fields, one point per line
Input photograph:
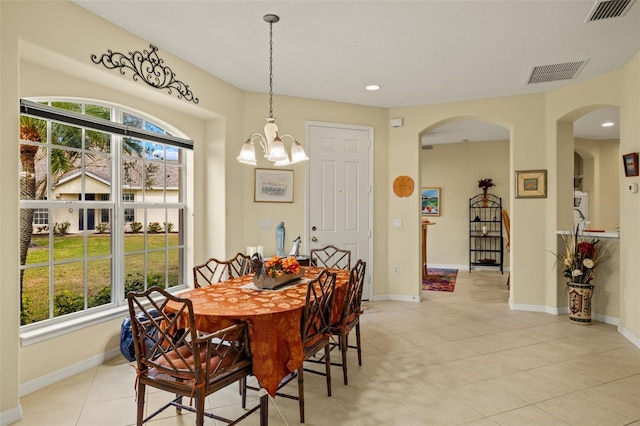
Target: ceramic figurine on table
x=295 y=250
x=280 y=238
x=257 y=264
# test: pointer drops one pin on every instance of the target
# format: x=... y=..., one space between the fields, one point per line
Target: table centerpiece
x=275 y=271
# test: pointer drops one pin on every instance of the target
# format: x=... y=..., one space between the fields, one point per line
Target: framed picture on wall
x=273 y=186
x=630 y=163
x=431 y=201
x=531 y=184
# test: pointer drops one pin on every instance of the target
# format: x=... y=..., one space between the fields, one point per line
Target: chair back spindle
x=330 y=256
x=214 y=270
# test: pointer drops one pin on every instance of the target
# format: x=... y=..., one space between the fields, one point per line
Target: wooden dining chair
x=350 y=316
x=214 y=271
x=330 y=257
x=315 y=332
x=172 y=356
x=349 y=320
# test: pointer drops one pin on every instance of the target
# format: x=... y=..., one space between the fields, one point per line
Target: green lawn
x=69 y=277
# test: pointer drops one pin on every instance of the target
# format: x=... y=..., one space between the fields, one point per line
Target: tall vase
x=485 y=198
x=580 y=303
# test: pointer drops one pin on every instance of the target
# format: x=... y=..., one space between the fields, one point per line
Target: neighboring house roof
x=77 y=174
x=99 y=168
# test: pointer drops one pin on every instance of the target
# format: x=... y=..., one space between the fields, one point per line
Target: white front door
x=340 y=191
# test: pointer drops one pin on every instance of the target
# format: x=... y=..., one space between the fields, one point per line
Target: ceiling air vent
x=555 y=72
x=608 y=9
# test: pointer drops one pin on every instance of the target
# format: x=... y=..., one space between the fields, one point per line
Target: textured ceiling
x=420 y=52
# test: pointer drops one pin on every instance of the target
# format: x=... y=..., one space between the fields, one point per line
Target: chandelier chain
x=270 y=69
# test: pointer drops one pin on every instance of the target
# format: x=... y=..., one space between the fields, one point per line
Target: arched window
x=101 y=207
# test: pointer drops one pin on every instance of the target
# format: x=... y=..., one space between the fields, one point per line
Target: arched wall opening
x=456 y=153
x=588 y=171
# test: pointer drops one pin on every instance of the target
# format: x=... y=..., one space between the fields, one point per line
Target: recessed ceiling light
x=608 y=124
x=373 y=87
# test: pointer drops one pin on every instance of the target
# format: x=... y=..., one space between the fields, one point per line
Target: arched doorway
x=456 y=154
x=589 y=164
x=596 y=171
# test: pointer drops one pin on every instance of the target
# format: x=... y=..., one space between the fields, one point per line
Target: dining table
x=273 y=317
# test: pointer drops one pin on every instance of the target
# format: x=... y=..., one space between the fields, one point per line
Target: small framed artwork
x=273 y=186
x=431 y=201
x=630 y=162
x=531 y=184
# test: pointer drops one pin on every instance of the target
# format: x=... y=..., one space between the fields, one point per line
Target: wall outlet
x=396 y=269
x=397 y=223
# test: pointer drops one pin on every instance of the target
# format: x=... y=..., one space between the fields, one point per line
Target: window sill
x=32 y=335
x=40 y=334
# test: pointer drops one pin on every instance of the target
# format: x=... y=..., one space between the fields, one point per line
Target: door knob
x=314 y=239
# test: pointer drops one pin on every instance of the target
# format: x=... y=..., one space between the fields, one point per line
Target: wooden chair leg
x=179 y=401
x=140 y=397
x=200 y=410
x=343 y=348
x=301 y=393
x=358 y=343
x=243 y=391
x=264 y=410
x=327 y=363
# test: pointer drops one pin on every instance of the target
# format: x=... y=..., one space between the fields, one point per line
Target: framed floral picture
x=531 y=184
x=431 y=201
x=273 y=186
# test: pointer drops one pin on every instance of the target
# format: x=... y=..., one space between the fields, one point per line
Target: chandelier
x=271 y=141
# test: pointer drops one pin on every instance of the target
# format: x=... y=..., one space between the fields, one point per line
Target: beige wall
x=621 y=88
x=630 y=203
x=45 y=58
x=524 y=117
x=291 y=115
x=456 y=168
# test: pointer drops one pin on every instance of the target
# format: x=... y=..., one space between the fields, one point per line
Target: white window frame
x=52 y=327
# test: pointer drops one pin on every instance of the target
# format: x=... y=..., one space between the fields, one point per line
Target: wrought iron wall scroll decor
x=148 y=66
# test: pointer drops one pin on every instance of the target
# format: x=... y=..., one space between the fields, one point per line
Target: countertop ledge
x=605 y=234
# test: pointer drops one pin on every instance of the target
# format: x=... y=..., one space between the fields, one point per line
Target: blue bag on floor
x=126 y=336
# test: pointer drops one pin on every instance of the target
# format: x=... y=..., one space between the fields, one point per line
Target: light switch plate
x=265 y=224
x=633 y=188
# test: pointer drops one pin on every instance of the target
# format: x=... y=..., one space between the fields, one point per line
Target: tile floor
x=460 y=358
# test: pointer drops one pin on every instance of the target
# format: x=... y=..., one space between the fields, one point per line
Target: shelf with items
x=485 y=232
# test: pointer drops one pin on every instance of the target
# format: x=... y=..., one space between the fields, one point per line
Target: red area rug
x=440 y=279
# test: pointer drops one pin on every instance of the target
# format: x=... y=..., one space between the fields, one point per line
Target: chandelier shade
x=271 y=141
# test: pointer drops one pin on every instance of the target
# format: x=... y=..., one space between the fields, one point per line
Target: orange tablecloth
x=273 y=316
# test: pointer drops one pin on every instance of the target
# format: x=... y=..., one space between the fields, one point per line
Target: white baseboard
x=448 y=266
x=11 y=415
x=64 y=373
x=396 y=297
x=604 y=318
x=629 y=336
x=533 y=308
x=564 y=310
x=466 y=267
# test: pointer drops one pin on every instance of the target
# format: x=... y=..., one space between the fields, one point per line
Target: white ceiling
x=420 y=52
